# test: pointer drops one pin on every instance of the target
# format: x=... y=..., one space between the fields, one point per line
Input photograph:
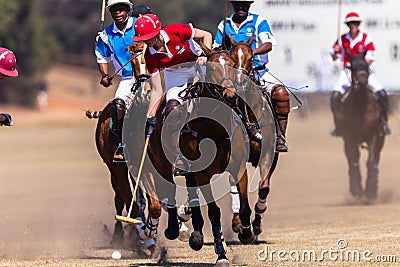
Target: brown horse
x=193 y=122
x=261 y=155
x=362 y=124
x=107 y=142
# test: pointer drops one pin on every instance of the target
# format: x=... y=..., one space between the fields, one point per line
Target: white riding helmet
x=110 y=3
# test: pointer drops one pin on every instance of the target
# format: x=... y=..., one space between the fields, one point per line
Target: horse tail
x=93 y=114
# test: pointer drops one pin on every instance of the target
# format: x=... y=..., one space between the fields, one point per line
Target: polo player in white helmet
x=112 y=46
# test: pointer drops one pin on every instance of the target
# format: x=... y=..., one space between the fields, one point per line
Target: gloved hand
x=106 y=80
x=336 y=48
x=151 y=124
x=7 y=120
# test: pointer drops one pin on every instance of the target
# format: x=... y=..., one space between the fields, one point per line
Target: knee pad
x=173 y=116
x=171 y=105
x=280 y=99
x=119 y=108
x=117 y=115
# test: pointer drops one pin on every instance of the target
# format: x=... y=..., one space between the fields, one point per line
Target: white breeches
x=124 y=90
x=267 y=79
x=176 y=80
x=345 y=81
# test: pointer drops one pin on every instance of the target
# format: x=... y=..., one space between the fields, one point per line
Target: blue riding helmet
x=141 y=10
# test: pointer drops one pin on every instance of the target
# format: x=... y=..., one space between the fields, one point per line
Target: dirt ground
x=56 y=201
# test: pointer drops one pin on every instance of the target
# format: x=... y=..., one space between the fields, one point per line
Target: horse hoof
x=183 y=233
x=246 y=235
x=196 y=240
x=118 y=236
x=154 y=252
x=117 y=240
x=236 y=224
x=257 y=228
x=171 y=236
x=222 y=261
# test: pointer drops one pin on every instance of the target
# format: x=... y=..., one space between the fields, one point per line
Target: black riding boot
x=173 y=119
x=383 y=101
x=281 y=104
x=247 y=117
x=336 y=107
x=117 y=123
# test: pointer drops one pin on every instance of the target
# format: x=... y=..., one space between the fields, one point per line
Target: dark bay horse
x=203 y=119
x=361 y=124
x=107 y=142
x=265 y=158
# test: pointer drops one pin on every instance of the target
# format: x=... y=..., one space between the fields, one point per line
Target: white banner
x=306 y=30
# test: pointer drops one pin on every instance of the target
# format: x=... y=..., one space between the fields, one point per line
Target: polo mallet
x=127 y=219
x=339 y=17
x=224 y=31
x=103 y=11
x=123 y=66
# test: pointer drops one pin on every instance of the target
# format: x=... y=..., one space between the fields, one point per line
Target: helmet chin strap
x=123 y=23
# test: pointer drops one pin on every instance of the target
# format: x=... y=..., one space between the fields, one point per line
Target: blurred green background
x=42 y=33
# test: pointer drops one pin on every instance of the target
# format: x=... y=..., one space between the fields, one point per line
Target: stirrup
x=180 y=169
x=119 y=156
x=281 y=144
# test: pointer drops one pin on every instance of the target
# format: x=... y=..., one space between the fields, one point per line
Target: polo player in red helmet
x=168 y=47
x=7 y=69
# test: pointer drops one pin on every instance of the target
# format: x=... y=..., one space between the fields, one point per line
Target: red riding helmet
x=352 y=16
x=146 y=27
x=7 y=62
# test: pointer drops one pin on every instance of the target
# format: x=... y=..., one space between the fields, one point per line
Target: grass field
x=56 y=201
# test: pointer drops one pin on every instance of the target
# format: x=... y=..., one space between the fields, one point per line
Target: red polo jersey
x=361 y=44
x=180 y=46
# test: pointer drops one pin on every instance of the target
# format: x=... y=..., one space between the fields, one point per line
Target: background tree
x=24 y=32
x=46 y=32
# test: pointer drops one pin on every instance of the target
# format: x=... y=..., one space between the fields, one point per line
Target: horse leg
x=118 y=235
x=141 y=202
x=235 y=204
x=196 y=240
x=353 y=156
x=214 y=215
x=263 y=191
x=371 y=188
x=245 y=235
x=153 y=218
x=172 y=230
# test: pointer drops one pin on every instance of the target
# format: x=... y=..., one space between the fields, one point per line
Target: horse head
x=359 y=70
x=242 y=54
x=140 y=71
x=220 y=70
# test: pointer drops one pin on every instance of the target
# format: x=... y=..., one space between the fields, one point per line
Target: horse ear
x=205 y=49
x=251 y=39
x=229 y=42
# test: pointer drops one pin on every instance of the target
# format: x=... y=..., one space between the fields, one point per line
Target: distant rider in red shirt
x=357 y=42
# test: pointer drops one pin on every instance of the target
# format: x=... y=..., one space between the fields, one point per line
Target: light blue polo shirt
x=252 y=24
x=112 y=45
